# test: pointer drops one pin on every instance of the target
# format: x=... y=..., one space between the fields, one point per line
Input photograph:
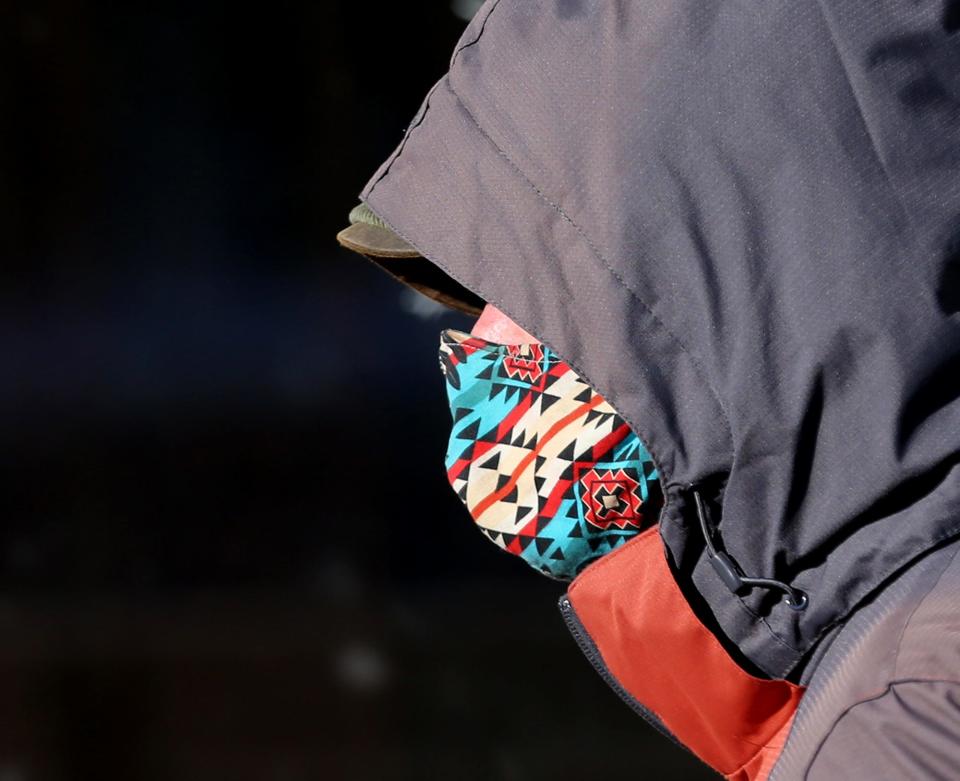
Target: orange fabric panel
x=759 y=766
x=656 y=647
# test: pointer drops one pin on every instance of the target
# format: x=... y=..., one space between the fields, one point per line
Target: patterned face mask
x=547 y=468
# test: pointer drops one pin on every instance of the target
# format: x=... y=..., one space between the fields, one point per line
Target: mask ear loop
x=731 y=574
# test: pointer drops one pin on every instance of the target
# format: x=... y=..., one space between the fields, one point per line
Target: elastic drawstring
x=730 y=573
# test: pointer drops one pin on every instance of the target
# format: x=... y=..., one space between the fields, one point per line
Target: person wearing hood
x=714 y=385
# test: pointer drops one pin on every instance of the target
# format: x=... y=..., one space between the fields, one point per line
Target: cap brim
x=399 y=259
x=375 y=241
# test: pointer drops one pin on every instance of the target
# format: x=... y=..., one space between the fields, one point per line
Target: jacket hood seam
x=653 y=447
x=606 y=265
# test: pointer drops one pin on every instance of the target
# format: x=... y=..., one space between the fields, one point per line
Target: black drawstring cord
x=729 y=572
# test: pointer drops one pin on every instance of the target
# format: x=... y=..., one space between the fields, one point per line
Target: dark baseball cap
x=369 y=236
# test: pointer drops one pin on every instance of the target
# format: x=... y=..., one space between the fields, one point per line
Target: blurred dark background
x=228 y=549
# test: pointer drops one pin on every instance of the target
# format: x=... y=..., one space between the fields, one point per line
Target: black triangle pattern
x=593 y=415
x=491 y=463
x=470 y=432
x=547 y=400
x=543 y=544
x=551 y=378
x=568 y=537
x=489 y=436
x=485 y=373
x=585 y=395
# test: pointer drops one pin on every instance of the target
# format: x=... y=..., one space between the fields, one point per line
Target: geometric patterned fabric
x=546 y=467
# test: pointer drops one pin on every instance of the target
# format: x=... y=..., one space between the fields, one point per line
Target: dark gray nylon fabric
x=739 y=221
x=909 y=732
x=884 y=700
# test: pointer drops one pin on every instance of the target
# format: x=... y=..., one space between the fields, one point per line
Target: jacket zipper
x=589 y=650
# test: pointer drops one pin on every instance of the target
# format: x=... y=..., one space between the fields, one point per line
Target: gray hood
x=740 y=222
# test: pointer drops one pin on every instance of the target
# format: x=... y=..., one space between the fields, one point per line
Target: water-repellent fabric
x=883 y=701
x=739 y=221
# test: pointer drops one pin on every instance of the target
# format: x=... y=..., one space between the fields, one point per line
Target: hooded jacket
x=740 y=222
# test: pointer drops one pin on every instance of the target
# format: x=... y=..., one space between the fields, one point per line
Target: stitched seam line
x=889 y=688
x=651 y=447
x=916 y=607
x=953 y=531
x=483 y=24
x=414 y=123
x=605 y=263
